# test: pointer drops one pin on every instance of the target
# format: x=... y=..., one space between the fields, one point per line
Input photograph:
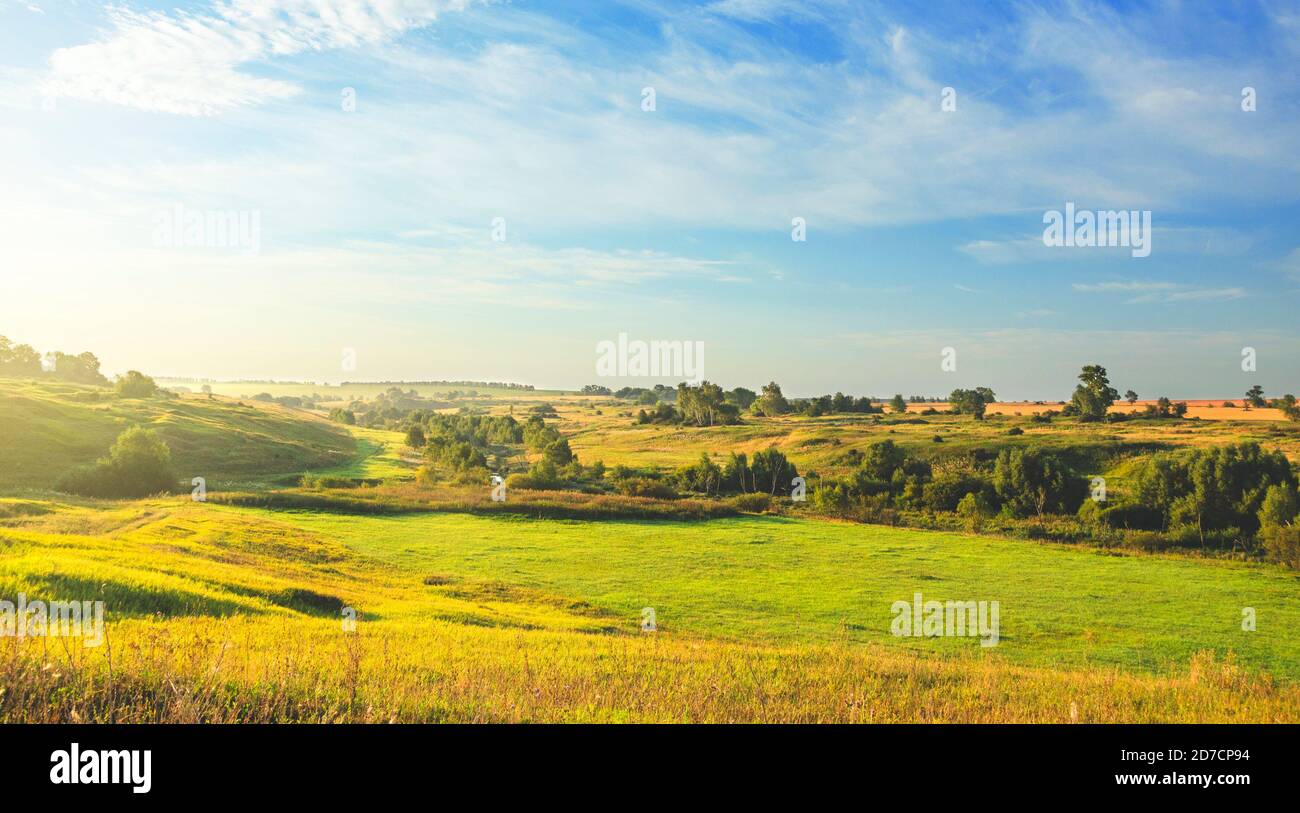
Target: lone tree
x=771 y=402
x=898 y=404
x=971 y=402
x=138 y=464
x=136 y=384
x=1255 y=397
x=1094 y=396
x=1131 y=397
x=1289 y=406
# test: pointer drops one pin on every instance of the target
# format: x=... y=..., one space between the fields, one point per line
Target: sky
x=451 y=189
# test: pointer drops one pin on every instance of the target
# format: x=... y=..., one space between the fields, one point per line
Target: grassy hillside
x=221 y=614
x=51 y=427
x=379 y=454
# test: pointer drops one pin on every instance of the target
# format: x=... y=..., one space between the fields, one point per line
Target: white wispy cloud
x=746 y=134
x=1218 y=242
x=1153 y=292
x=194 y=63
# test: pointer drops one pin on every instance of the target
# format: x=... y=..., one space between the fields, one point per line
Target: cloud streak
x=196 y=63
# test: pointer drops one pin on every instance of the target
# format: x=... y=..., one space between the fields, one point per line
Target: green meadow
x=788 y=580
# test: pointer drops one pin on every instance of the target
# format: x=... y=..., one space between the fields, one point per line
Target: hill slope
x=48 y=428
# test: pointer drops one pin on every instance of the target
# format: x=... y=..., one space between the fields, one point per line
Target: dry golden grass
x=244 y=670
x=1206 y=409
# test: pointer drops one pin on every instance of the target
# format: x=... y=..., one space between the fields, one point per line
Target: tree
x=136 y=384
x=771 y=402
x=1094 y=395
x=704 y=477
x=206 y=389
x=415 y=436
x=1131 y=397
x=137 y=465
x=971 y=402
x=974 y=508
x=1210 y=490
x=18 y=361
x=1290 y=408
x=559 y=453
x=742 y=397
x=1028 y=482
x=736 y=475
x=771 y=471
x=1280 y=506
x=898 y=404
x=82 y=368
x=1277 y=525
x=882 y=459
x=595 y=389
x=705 y=405
x=1255 y=397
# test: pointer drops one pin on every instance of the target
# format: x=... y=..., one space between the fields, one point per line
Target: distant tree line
x=22 y=361
x=497 y=385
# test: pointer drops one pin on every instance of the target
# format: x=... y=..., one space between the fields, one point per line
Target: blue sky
x=924 y=226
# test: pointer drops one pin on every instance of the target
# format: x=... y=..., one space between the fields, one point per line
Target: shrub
x=1282 y=544
x=136 y=384
x=944 y=493
x=1030 y=482
x=1148 y=541
x=1280 y=506
x=138 y=464
x=974 y=509
x=541 y=476
x=1129 y=515
x=646 y=487
x=752 y=503
x=1090 y=513
x=415 y=436
x=771 y=472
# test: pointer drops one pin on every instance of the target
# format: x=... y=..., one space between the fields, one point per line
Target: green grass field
x=786 y=580
x=230 y=615
x=378 y=455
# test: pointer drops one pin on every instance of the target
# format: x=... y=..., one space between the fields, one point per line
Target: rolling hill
x=48 y=428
